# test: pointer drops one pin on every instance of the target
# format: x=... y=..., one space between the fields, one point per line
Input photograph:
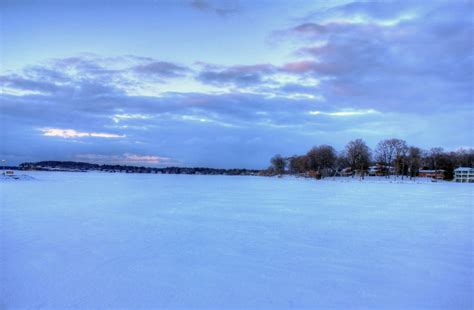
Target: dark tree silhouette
x=278 y=164
x=358 y=155
x=321 y=159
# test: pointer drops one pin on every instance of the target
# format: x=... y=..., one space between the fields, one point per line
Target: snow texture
x=97 y=240
x=13 y=178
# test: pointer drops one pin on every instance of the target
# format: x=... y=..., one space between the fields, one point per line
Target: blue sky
x=230 y=83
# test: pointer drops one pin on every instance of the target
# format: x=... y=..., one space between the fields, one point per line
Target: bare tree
x=465 y=158
x=414 y=160
x=341 y=160
x=278 y=164
x=385 y=153
x=434 y=157
x=358 y=155
x=401 y=151
x=321 y=159
x=391 y=152
x=298 y=164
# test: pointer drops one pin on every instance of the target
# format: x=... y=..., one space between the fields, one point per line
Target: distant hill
x=83 y=167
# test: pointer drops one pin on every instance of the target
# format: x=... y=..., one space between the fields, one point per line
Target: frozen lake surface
x=97 y=240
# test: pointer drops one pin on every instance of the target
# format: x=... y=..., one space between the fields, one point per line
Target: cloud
x=20 y=83
x=71 y=133
x=161 y=69
x=220 y=7
x=378 y=12
x=345 y=113
x=299 y=67
x=127 y=159
x=117 y=118
x=90 y=75
x=397 y=56
x=145 y=159
x=247 y=75
x=112 y=78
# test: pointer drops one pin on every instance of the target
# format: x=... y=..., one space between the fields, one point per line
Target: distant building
x=435 y=174
x=346 y=172
x=464 y=175
x=374 y=170
x=380 y=170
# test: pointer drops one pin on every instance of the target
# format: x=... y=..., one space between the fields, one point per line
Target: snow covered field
x=97 y=240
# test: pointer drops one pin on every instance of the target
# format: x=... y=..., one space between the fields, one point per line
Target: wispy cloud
x=117 y=118
x=247 y=75
x=345 y=112
x=220 y=7
x=71 y=133
x=134 y=158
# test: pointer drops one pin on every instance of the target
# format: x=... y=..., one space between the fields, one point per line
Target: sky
x=228 y=84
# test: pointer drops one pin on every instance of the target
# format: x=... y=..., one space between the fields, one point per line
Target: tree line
x=83 y=167
x=394 y=156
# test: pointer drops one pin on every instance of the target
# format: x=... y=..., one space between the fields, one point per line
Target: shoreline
x=287 y=177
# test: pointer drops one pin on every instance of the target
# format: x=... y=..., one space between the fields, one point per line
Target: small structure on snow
x=435 y=174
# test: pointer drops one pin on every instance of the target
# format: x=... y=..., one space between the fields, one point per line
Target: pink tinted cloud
x=145 y=158
x=127 y=158
x=299 y=66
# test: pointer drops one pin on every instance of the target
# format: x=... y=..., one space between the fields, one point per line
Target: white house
x=464 y=174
